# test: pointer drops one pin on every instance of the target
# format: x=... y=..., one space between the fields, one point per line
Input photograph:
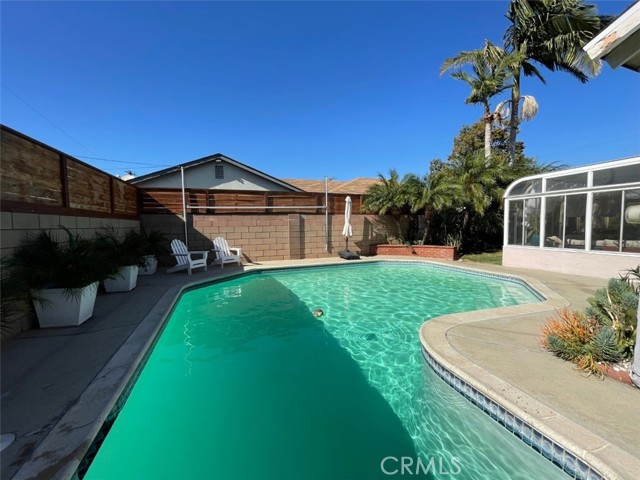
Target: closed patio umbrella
x=347 y=231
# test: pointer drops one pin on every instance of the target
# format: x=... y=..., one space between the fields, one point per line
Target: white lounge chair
x=223 y=252
x=186 y=259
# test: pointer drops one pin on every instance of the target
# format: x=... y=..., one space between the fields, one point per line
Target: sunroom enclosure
x=582 y=220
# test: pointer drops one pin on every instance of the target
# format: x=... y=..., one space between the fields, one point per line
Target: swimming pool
x=245 y=382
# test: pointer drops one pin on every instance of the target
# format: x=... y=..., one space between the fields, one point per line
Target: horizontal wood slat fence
x=37 y=178
x=40 y=179
x=169 y=200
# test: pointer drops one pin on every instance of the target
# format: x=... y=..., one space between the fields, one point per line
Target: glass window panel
x=516 y=209
x=605 y=224
x=616 y=176
x=554 y=222
x=532 y=221
x=631 y=226
x=577 y=180
x=576 y=206
x=527 y=187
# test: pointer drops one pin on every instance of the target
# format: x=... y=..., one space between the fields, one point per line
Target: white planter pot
x=60 y=310
x=151 y=267
x=124 y=281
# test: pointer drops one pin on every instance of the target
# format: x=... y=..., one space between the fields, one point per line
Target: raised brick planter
x=430 y=251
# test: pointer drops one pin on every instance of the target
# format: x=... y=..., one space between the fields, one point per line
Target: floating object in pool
x=318 y=312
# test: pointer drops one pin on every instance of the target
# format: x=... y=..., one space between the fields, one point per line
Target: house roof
x=619 y=43
x=213 y=158
x=356 y=186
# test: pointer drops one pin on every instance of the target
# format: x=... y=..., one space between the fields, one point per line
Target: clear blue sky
x=295 y=89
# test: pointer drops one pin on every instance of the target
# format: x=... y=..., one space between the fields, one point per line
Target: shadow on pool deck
x=44 y=372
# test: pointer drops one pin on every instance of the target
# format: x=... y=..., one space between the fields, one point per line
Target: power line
x=74 y=139
x=123 y=161
x=45 y=118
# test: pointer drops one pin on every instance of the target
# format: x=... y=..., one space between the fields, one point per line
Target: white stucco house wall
x=213 y=172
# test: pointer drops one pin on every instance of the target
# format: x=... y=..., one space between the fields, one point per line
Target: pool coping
x=541 y=424
x=59 y=454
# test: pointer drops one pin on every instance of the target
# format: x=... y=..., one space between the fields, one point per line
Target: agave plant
x=615 y=306
x=580 y=339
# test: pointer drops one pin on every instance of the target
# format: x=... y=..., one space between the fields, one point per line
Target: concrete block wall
x=271 y=237
x=16 y=228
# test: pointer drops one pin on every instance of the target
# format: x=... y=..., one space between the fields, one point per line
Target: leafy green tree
x=471 y=138
x=489 y=75
x=476 y=219
x=550 y=33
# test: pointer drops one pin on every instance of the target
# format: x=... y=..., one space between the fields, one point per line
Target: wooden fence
x=169 y=200
x=38 y=178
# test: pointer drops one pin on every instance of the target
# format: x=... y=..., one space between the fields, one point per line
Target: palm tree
x=552 y=34
x=490 y=75
x=391 y=196
x=431 y=195
x=479 y=180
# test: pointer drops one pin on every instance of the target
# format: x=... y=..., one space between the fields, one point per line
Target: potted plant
x=125 y=255
x=154 y=246
x=61 y=277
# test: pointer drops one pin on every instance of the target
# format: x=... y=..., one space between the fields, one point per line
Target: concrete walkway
x=58 y=385
x=44 y=372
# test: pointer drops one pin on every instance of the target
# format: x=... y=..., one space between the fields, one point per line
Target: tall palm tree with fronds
x=391 y=196
x=490 y=74
x=550 y=33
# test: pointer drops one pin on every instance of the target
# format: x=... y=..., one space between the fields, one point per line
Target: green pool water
x=246 y=383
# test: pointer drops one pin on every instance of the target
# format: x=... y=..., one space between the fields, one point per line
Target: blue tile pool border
x=561 y=457
x=426 y=264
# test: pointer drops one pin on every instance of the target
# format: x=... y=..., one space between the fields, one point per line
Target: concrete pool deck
x=58 y=385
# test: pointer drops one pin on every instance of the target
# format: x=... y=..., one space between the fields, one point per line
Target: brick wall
x=430 y=251
x=16 y=228
x=272 y=236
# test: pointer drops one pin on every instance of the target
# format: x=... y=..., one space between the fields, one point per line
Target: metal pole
x=184 y=209
x=326 y=211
